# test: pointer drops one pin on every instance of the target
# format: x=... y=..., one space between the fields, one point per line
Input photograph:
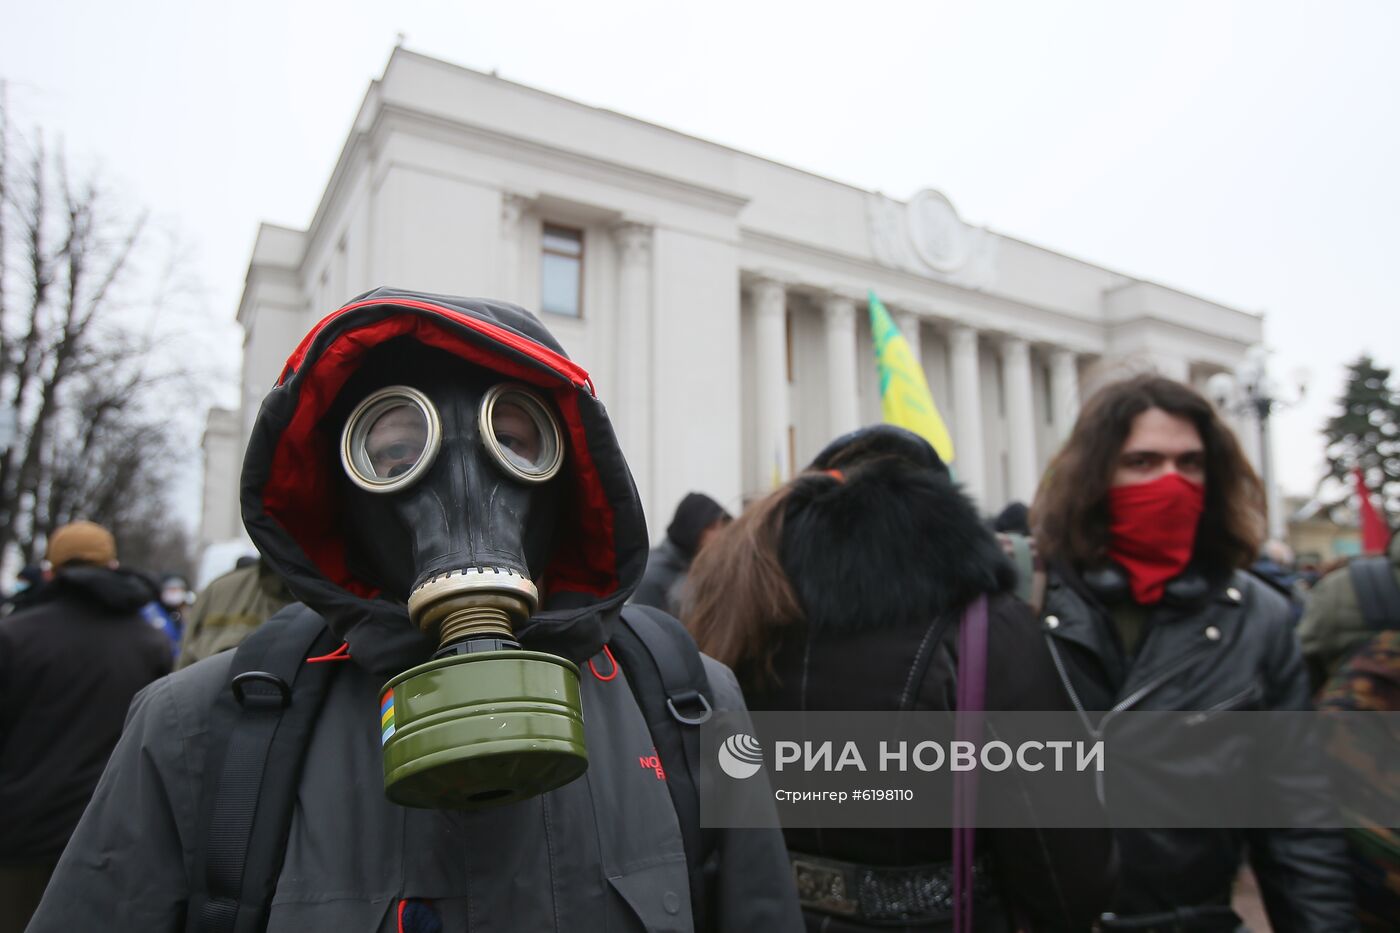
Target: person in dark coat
x=69 y=666
x=697 y=519
x=825 y=596
x=1146 y=520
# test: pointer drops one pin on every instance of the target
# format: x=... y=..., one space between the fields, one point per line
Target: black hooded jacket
x=69 y=666
x=601 y=852
x=877 y=554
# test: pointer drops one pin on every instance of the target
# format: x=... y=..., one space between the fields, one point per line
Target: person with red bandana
x=1146 y=520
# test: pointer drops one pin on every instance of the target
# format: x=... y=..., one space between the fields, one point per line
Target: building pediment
x=925 y=235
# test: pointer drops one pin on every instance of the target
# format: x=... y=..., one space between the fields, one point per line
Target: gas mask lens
x=521 y=433
x=390 y=439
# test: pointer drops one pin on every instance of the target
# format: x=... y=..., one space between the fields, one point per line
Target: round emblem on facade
x=939 y=235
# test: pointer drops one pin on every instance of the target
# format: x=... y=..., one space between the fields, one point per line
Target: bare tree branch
x=80 y=369
x=4 y=227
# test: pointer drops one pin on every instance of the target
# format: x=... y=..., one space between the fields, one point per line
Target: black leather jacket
x=1223 y=646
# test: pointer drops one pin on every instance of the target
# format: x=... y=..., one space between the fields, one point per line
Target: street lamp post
x=1250 y=391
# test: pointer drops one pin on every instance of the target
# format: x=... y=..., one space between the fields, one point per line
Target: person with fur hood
x=842 y=590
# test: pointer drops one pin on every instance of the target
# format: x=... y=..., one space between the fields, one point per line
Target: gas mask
x=451 y=506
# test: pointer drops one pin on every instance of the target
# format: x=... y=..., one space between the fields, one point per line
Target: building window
x=561 y=271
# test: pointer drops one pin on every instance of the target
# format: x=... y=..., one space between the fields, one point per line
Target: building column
x=219 y=513
x=1020 y=417
x=967 y=412
x=1064 y=389
x=770 y=351
x=908 y=323
x=634 y=357
x=512 y=217
x=841 y=401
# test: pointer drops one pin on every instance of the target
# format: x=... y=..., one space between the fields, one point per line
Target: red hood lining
x=498 y=334
x=300 y=495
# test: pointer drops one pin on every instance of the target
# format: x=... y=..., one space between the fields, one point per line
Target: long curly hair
x=1070 y=518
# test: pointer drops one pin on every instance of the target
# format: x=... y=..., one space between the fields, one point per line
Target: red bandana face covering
x=1152 y=531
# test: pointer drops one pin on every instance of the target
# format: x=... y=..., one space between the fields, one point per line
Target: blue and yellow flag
x=904 y=395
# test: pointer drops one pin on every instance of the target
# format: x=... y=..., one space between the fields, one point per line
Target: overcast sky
x=1246 y=152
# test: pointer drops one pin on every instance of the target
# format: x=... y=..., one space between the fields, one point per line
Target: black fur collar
x=885 y=544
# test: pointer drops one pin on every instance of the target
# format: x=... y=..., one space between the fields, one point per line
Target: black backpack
x=1377 y=592
x=261 y=727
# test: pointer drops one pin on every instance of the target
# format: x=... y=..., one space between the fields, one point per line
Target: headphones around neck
x=1110 y=585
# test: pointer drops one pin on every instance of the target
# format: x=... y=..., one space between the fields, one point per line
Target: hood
x=119 y=591
x=911 y=544
x=290 y=497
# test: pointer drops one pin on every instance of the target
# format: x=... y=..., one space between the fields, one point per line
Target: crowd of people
x=1142 y=583
x=380 y=722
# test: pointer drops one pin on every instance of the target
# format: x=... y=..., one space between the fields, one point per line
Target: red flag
x=1374 y=533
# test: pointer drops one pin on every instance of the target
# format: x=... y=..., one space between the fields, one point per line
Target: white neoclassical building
x=717 y=298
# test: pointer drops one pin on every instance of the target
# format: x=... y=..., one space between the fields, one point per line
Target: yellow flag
x=904 y=395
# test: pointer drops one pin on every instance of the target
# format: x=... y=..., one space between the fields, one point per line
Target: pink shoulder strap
x=971 y=703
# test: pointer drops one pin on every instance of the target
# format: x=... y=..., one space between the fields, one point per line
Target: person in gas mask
x=1146 y=520
x=437 y=483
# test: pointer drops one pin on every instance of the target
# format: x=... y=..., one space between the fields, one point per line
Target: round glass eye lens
x=395 y=441
x=520 y=435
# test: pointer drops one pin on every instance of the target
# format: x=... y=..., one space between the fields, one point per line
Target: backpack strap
x=971 y=702
x=259 y=731
x=668 y=679
x=1377 y=592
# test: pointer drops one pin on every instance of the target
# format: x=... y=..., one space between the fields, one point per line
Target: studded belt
x=881 y=894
